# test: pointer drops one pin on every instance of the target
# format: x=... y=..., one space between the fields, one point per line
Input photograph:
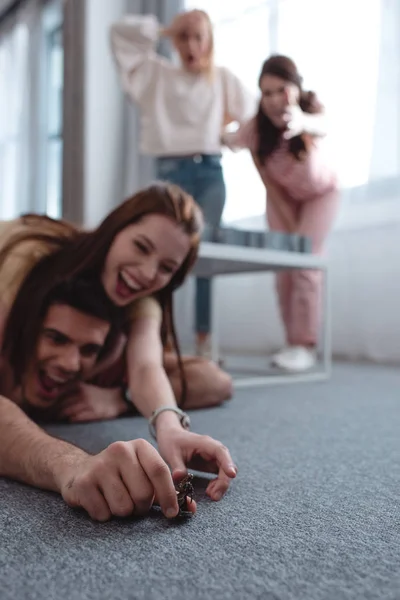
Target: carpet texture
x=313 y=515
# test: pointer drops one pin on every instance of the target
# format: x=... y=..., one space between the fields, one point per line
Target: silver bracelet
x=184 y=418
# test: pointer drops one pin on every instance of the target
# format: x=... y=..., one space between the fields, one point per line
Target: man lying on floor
x=78 y=327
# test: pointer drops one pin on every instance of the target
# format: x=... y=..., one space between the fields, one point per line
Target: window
x=350 y=58
x=54 y=80
x=31 y=79
x=242 y=42
x=13 y=117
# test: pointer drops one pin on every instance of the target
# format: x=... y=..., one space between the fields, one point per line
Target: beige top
x=19 y=262
x=24 y=257
x=180 y=113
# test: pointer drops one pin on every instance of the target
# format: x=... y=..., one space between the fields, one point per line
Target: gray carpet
x=314 y=513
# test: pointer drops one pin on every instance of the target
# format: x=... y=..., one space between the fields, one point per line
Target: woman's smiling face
x=143 y=258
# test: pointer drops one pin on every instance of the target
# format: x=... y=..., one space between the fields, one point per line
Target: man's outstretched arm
x=29 y=454
x=123 y=479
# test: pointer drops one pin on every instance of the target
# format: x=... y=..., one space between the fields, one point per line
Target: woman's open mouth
x=191 y=60
x=126 y=285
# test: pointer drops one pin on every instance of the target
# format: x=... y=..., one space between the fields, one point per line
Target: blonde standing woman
x=184 y=108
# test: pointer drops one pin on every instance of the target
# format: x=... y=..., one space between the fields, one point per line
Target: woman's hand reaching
x=184 y=450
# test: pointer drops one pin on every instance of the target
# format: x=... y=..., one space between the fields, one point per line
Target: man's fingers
x=116 y=495
x=122 y=480
x=160 y=477
x=191 y=505
x=126 y=480
x=139 y=486
x=93 y=501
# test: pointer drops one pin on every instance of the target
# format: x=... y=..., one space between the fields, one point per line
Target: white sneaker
x=295 y=359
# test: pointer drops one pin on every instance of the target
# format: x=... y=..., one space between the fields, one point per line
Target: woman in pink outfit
x=286 y=142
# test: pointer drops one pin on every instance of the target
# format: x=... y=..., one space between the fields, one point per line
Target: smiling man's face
x=68 y=347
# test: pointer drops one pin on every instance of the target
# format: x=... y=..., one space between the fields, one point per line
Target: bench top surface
x=219 y=259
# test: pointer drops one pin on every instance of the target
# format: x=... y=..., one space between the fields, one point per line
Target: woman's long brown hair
x=76 y=252
x=268 y=135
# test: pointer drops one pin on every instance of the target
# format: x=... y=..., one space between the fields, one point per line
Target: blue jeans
x=201 y=176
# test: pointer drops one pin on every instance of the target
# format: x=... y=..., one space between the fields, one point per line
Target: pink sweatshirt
x=303 y=179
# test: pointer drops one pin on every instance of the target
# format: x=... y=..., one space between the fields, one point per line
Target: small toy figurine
x=185 y=490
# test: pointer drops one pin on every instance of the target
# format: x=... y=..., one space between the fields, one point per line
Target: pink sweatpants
x=299 y=292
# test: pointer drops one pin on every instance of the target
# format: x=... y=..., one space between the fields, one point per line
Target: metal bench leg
x=327 y=326
x=215 y=341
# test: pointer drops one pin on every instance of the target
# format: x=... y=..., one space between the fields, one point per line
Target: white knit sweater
x=181 y=113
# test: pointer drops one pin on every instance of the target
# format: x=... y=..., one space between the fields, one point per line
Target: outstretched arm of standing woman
x=150 y=389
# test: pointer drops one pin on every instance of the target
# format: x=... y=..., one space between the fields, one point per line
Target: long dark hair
x=80 y=253
x=268 y=135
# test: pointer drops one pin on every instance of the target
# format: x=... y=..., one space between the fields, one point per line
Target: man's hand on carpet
x=92 y=403
x=183 y=449
x=124 y=479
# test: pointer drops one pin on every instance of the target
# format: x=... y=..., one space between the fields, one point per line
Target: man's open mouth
x=51 y=386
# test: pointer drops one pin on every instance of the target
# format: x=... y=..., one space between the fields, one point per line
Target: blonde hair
x=210 y=67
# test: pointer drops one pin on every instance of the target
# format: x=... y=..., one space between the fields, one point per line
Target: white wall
x=365 y=268
x=366 y=293
x=104 y=112
x=114 y=167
